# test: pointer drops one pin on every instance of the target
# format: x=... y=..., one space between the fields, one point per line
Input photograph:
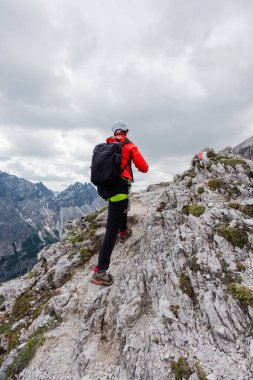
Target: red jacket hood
x=119 y=138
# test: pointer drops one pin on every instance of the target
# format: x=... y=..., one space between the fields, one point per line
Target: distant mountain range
x=245 y=149
x=32 y=216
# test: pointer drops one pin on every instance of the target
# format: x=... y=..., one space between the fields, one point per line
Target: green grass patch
x=92 y=216
x=200 y=190
x=196 y=210
x=215 y=183
x=234 y=236
x=186 y=286
x=225 y=160
x=85 y=253
x=22 y=305
x=243 y=294
x=234 y=205
x=191 y=174
x=32 y=274
x=247 y=209
x=77 y=238
x=189 y=183
x=200 y=372
x=232 y=161
x=240 y=266
x=24 y=356
x=193 y=264
x=180 y=369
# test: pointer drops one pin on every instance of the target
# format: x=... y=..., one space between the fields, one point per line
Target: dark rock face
x=31 y=217
x=245 y=149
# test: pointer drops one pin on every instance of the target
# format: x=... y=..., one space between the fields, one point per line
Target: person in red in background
x=118 y=196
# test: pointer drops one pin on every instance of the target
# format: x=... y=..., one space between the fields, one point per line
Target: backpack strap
x=129 y=162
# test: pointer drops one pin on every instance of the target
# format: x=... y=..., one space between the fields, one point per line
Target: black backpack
x=106 y=163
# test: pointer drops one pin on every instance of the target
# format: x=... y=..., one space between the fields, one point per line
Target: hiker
x=117 y=193
x=195 y=160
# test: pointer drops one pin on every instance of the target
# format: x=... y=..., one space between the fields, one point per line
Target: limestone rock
x=183 y=290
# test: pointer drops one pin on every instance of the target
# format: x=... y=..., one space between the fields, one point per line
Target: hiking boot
x=102 y=278
x=123 y=236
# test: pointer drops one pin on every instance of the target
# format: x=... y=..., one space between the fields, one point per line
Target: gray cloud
x=178 y=73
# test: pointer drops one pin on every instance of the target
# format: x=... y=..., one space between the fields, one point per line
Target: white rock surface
x=149 y=317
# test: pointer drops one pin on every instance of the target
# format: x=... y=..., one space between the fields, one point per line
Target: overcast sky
x=179 y=73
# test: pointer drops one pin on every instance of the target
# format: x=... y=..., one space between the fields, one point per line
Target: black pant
x=116 y=221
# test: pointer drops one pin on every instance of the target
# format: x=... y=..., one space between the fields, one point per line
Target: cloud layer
x=178 y=73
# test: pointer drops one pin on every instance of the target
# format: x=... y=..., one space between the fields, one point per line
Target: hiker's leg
x=114 y=219
x=123 y=225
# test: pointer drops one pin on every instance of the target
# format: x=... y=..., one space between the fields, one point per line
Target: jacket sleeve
x=138 y=160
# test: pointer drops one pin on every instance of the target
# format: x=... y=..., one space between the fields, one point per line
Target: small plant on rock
x=234 y=205
x=240 y=266
x=193 y=264
x=85 y=253
x=181 y=369
x=235 y=236
x=26 y=354
x=200 y=372
x=241 y=293
x=186 y=286
x=23 y=305
x=77 y=239
x=247 y=209
x=196 y=210
x=189 y=183
x=185 y=209
x=174 y=309
x=215 y=183
x=200 y=190
x=232 y=161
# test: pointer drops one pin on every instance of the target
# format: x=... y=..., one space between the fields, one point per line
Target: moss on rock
x=200 y=372
x=25 y=355
x=193 y=209
x=186 y=286
x=235 y=236
x=181 y=369
x=189 y=183
x=215 y=183
x=22 y=305
x=240 y=266
x=234 y=205
x=241 y=293
x=77 y=238
x=200 y=190
x=196 y=210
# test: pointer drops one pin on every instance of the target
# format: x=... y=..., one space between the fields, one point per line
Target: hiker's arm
x=138 y=160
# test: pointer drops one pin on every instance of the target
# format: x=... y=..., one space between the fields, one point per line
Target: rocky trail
x=181 y=306
x=55 y=358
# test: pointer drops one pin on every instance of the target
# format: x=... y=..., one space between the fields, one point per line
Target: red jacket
x=130 y=150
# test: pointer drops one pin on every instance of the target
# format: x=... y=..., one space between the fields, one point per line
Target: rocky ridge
x=181 y=306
